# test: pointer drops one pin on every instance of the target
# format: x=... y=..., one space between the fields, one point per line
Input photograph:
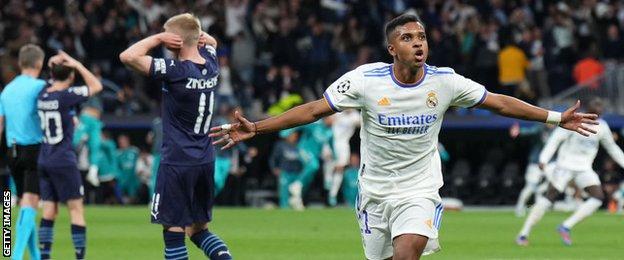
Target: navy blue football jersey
x=188 y=91
x=56 y=111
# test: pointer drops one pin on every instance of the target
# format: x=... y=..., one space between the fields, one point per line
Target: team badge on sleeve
x=159 y=66
x=432 y=99
x=343 y=86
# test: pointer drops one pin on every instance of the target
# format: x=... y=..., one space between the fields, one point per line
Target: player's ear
x=391 y=50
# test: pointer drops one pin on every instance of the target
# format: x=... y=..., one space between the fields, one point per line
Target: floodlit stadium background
x=276 y=54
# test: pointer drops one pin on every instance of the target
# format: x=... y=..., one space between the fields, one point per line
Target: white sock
x=336 y=183
x=524 y=195
x=537 y=212
x=585 y=210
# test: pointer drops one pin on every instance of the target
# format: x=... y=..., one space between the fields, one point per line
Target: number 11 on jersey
x=201 y=111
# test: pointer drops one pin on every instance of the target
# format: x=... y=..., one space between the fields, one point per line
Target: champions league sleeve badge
x=343 y=86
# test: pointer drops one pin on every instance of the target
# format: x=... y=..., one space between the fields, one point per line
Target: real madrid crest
x=432 y=99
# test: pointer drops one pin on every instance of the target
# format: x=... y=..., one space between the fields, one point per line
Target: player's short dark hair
x=29 y=55
x=401 y=20
x=60 y=72
x=596 y=105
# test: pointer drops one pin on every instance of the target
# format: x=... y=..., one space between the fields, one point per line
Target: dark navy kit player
x=59 y=178
x=183 y=198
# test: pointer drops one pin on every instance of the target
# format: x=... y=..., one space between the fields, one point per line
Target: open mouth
x=420 y=55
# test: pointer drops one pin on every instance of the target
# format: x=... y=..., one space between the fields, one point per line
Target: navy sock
x=79 y=236
x=46 y=234
x=174 y=245
x=212 y=245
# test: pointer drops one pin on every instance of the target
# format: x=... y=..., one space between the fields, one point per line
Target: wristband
x=553 y=118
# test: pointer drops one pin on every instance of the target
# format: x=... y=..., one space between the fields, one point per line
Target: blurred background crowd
x=275 y=54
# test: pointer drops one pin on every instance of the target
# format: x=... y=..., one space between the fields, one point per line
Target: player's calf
x=210 y=244
x=78 y=227
x=174 y=244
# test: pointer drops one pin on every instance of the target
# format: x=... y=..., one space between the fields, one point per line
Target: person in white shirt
x=343 y=129
x=575 y=156
x=402 y=105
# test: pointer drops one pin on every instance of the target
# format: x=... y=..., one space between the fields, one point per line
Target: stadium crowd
x=273 y=49
x=275 y=54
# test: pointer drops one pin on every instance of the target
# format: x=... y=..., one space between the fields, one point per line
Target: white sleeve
x=557 y=136
x=466 y=92
x=606 y=139
x=344 y=92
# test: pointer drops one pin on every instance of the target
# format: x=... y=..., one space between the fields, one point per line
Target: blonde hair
x=30 y=56
x=187 y=26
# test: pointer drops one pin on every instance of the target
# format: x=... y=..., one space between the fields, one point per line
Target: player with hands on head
x=185 y=188
x=59 y=177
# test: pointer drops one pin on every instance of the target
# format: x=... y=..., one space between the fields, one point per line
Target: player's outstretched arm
x=92 y=82
x=513 y=107
x=607 y=141
x=136 y=56
x=231 y=134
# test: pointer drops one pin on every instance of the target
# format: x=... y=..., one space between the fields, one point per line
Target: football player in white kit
x=343 y=128
x=575 y=156
x=402 y=105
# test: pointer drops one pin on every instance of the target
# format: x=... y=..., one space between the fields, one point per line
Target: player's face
x=408 y=45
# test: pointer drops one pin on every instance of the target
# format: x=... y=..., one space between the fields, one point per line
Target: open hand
x=205 y=38
x=171 y=41
x=232 y=134
x=64 y=59
x=578 y=122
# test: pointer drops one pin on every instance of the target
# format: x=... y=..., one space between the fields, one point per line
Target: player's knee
x=49 y=212
x=409 y=246
x=195 y=228
x=30 y=200
x=173 y=229
x=551 y=194
x=596 y=192
x=75 y=206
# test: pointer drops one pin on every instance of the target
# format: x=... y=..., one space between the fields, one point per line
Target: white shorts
x=381 y=221
x=533 y=174
x=583 y=179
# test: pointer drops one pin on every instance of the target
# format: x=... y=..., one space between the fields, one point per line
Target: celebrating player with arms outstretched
x=184 y=193
x=402 y=106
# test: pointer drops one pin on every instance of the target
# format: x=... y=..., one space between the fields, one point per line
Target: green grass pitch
x=125 y=233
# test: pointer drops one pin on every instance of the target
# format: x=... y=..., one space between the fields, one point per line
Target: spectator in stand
x=588 y=70
x=512 y=67
x=613 y=47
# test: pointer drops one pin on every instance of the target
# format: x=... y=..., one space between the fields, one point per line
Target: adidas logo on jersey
x=384 y=102
x=429 y=223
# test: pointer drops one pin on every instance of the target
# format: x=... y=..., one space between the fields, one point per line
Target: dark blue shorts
x=60 y=184
x=184 y=195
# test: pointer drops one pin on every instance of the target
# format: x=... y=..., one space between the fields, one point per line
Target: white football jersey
x=578 y=152
x=400 y=125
